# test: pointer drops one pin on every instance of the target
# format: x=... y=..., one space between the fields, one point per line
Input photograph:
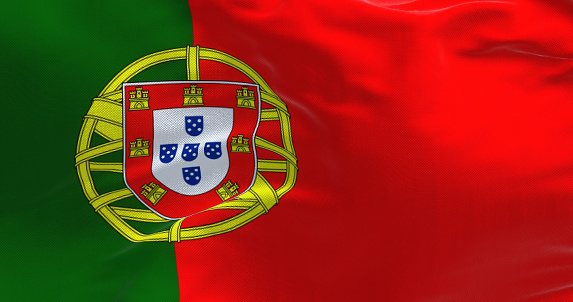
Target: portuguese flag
x=432 y=146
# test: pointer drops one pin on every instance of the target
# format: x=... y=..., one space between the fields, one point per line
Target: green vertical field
x=55 y=56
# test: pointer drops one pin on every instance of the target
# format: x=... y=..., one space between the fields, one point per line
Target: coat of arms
x=187 y=141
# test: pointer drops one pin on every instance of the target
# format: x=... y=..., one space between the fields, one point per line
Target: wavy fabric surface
x=435 y=147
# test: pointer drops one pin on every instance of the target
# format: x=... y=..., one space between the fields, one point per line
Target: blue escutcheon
x=190 y=152
x=213 y=150
x=194 y=125
x=167 y=152
x=192 y=175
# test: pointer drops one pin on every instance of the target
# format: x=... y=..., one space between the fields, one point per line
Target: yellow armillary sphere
x=107 y=117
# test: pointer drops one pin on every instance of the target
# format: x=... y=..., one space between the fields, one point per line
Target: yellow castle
x=240 y=144
x=139 y=148
x=193 y=96
x=246 y=98
x=153 y=192
x=138 y=99
x=228 y=190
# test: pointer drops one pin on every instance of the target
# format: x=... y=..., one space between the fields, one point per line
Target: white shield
x=169 y=128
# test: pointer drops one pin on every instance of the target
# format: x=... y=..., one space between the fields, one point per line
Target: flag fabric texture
x=434 y=146
x=434 y=142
